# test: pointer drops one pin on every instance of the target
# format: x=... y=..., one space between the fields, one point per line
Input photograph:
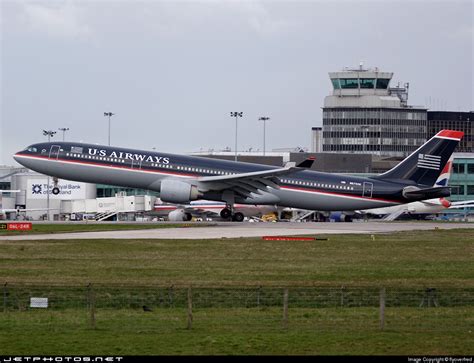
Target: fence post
x=91 y=297
x=170 y=295
x=285 y=308
x=258 y=295
x=5 y=297
x=382 y=308
x=190 y=308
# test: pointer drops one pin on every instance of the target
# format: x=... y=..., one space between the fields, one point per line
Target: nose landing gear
x=55 y=190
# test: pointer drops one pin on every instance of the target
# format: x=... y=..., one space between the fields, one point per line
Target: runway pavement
x=236 y=230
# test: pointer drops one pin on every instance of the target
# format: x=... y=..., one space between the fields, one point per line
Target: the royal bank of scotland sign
x=38 y=189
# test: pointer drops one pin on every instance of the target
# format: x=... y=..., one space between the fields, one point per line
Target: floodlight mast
x=264 y=119
x=109 y=115
x=236 y=115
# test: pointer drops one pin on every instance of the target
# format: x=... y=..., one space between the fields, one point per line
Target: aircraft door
x=367 y=190
x=136 y=164
x=54 y=151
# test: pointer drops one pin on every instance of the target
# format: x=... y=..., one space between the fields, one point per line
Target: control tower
x=365 y=115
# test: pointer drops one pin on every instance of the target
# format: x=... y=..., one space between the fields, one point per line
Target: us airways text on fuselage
x=129 y=156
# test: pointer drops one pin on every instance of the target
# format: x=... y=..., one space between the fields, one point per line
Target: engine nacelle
x=175 y=191
x=340 y=217
x=179 y=215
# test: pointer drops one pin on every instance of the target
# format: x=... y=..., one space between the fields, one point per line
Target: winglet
x=307 y=163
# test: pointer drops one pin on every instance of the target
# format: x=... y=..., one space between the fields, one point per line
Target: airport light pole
x=264 y=119
x=236 y=115
x=109 y=114
x=64 y=129
x=50 y=134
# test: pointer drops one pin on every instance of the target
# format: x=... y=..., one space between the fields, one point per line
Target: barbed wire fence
x=259 y=308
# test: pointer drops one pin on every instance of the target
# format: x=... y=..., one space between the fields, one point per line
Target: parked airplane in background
x=209 y=209
x=182 y=179
x=4 y=211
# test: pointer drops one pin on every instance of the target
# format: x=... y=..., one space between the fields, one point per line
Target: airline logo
x=445 y=174
x=125 y=155
x=427 y=161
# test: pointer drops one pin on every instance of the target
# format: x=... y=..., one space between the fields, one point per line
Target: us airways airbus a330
x=181 y=179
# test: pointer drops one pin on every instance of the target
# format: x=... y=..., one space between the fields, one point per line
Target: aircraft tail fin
x=307 y=163
x=443 y=179
x=425 y=165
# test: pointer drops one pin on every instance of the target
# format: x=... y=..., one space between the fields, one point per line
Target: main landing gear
x=226 y=213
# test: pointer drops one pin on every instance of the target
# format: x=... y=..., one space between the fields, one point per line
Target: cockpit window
x=32 y=149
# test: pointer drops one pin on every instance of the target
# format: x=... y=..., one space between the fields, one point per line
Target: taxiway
x=239 y=230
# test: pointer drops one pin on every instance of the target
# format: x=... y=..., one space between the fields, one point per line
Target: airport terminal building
x=32 y=199
x=453 y=120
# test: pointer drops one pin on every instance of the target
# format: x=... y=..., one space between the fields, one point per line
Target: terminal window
x=382 y=83
x=367 y=83
x=458 y=189
x=335 y=83
x=349 y=83
x=458 y=168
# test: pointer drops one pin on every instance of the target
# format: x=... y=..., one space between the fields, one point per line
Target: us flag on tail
x=427 y=161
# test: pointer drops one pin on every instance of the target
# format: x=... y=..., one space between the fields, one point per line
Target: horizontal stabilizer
x=427 y=193
x=307 y=163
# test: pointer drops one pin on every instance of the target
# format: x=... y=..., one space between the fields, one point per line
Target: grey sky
x=172 y=71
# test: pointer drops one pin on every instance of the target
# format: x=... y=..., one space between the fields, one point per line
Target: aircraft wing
x=432 y=202
x=11 y=210
x=245 y=183
x=462 y=204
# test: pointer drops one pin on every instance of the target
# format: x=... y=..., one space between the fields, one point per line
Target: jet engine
x=175 y=191
x=340 y=217
x=179 y=215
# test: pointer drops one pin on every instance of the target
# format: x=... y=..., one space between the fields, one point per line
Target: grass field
x=400 y=259
x=163 y=332
x=408 y=260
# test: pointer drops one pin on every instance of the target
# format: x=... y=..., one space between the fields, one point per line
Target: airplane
x=426 y=207
x=209 y=209
x=182 y=179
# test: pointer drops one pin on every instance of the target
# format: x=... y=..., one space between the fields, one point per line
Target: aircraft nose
x=17 y=157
